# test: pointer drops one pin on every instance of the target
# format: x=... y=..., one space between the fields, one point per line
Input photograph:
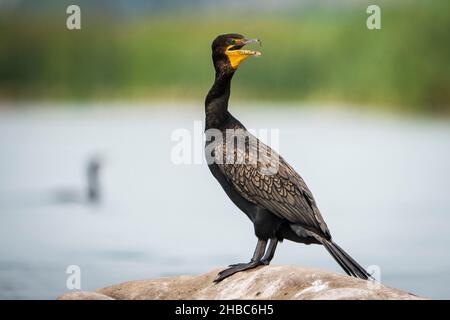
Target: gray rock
x=267 y=282
x=82 y=295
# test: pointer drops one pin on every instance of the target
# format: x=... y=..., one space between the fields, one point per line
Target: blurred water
x=382 y=185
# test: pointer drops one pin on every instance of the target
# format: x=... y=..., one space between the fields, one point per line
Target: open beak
x=236 y=54
x=250 y=41
x=244 y=42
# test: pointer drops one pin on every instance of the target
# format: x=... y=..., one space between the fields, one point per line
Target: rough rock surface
x=82 y=295
x=268 y=282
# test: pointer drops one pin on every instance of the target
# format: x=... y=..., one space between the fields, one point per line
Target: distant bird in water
x=93 y=180
x=279 y=204
x=92 y=192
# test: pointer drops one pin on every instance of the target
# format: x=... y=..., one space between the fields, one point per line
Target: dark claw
x=237 y=268
x=237 y=265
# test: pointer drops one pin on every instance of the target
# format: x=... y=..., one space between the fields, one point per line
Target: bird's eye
x=232 y=41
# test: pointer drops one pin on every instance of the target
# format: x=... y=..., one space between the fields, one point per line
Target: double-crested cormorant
x=93 y=179
x=92 y=194
x=278 y=202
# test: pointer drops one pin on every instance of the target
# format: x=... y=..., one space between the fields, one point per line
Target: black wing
x=264 y=178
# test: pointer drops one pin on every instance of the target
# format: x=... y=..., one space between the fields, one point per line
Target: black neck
x=216 y=104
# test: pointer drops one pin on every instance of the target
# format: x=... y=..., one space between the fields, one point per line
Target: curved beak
x=250 y=52
x=249 y=41
x=236 y=55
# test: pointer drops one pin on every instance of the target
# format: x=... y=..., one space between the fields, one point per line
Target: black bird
x=263 y=185
x=93 y=179
x=92 y=194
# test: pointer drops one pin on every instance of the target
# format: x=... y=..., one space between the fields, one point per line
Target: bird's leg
x=270 y=251
x=257 y=255
x=254 y=262
x=268 y=256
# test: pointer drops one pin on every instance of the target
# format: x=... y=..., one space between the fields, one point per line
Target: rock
x=82 y=295
x=267 y=282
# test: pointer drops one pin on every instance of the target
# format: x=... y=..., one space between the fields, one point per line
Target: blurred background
x=86 y=118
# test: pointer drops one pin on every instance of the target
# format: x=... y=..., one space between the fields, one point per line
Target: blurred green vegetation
x=322 y=55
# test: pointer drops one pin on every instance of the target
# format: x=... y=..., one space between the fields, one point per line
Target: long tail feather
x=347 y=263
x=350 y=266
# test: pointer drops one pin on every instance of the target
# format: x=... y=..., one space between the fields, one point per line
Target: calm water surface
x=382 y=184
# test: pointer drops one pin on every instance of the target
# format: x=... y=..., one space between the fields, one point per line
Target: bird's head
x=227 y=52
